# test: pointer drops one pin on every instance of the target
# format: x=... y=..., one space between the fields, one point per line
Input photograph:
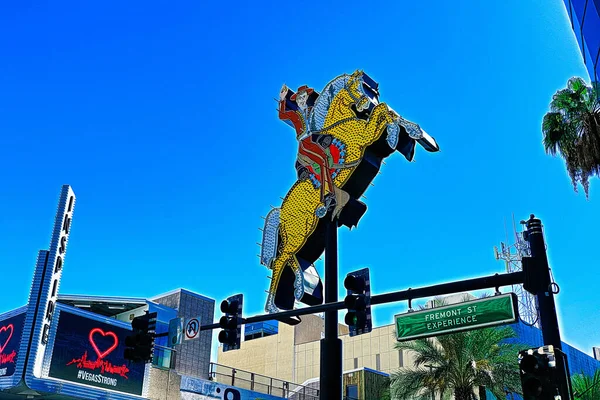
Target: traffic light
x=533 y=272
x=358 y=302
x=537 y=368
x=231 y=334
x=140 y=344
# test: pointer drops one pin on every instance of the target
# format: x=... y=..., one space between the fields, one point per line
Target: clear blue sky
x=161 y=116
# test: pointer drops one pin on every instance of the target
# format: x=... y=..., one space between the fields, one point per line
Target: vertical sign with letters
x=46 y=281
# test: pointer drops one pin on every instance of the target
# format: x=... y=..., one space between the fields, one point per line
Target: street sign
x=491 y=311
x=175 y=331
x=192 y=328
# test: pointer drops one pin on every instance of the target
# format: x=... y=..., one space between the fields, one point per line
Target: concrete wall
x=293 y=354
x=164 y=385
x=357 y=352
x=275 y=355
x=311 y=328
x=271 y=356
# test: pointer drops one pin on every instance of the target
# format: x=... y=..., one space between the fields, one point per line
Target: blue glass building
x=260 y=329
x=531 y=337
x=585 y=21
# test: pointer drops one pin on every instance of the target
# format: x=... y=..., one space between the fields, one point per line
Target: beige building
x=293 y=353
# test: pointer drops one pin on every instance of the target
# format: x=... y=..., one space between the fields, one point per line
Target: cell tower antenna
x=512 y=255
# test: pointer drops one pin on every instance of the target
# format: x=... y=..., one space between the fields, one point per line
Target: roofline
x=365 y=369
x=115 y=299
x=11 y=313
x=182 y=290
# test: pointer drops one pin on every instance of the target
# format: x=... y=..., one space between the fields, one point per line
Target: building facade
x=293 y=353
x=585 y=21
x=192 y=358
x=277 y=354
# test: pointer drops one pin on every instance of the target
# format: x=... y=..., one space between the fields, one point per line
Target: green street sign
x=491 y=311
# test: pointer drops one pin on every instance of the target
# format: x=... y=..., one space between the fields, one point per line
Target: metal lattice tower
x=511 y=254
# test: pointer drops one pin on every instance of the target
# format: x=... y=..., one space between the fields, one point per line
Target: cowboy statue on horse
x=343 y=134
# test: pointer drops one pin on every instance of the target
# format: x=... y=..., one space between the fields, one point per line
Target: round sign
x=192 y=328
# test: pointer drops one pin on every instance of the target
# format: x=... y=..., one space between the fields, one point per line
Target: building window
x=400 y=358
x=355 y=362
x=378 y=362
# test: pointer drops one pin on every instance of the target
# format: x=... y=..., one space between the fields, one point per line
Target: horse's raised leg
x=379 y=119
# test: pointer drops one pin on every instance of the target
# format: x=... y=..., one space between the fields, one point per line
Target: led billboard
x=11 y=330
x=90 y=352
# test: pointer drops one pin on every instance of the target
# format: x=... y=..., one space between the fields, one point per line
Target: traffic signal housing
x=358 y=302
x=140 y=344
x=537 y=368
x=231 y=322
x=534 y=273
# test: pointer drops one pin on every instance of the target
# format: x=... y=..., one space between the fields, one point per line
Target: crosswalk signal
x=537 y=368
x=358 y=302
x=140 y=344
x=231 y=322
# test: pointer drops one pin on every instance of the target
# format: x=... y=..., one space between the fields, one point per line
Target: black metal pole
x=466 y=285
x=331 y=345
x=545 y=300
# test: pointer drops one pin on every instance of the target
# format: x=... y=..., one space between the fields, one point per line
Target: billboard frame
x=7 y=382
x=59 y=386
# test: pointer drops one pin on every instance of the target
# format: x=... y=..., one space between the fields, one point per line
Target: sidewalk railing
x=260 y=383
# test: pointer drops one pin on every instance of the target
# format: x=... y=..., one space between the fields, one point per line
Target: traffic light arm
x=467 y=285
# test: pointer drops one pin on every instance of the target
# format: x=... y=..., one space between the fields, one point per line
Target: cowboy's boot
x=341 y=197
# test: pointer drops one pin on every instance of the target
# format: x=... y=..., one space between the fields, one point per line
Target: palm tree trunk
x=482 y=393
x=463 y=393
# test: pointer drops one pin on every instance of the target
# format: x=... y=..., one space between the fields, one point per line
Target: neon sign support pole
x=330 y=386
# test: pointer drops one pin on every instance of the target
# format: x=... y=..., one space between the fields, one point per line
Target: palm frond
x=572 y=129
x=412 y=384
x=586 y=387
x=425 y=351
x=555 y=131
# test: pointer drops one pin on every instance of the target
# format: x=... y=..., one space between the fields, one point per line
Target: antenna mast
x=511 y=254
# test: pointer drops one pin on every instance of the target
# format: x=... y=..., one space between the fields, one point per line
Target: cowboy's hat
x=303 y=88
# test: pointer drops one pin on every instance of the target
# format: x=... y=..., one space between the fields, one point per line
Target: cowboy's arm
x=290 y=115
x=284 y=113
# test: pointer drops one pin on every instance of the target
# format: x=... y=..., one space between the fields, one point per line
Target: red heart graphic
x=6 y=328
x=110 y=349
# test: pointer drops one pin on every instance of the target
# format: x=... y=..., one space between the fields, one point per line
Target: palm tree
x=586 y=387
x=459 y=363
x=572 y=129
